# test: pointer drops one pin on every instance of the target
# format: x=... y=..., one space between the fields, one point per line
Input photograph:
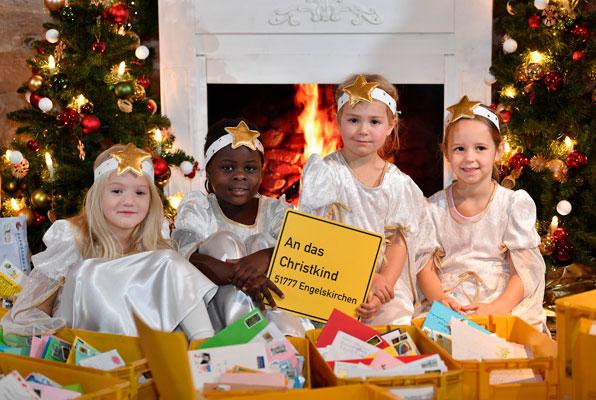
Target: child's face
x=471 y=151
x=365 y=127
x=235 y=174
x=125 y=202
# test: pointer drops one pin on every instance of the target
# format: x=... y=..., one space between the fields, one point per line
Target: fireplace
x=296 y=120
x=203 y=44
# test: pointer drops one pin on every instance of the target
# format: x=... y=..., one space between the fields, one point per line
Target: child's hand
x=451 y=303
x=482 y=309
x=370 y=309
x=382 y=288
x=260 y=289
x=247 y=269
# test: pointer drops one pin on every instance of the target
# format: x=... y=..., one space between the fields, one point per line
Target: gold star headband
x=129 y=159
x=240 y=135
x=361 y=90
x=469 y=109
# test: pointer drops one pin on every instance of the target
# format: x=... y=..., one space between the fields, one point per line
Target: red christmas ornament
x=553 y=81
x=90 y=124
x=34 y=99
x=38 y=218
x=33 y=145
x=564 y=251
x=160 y=166
x=576 y=159
x=99 y=46
x=581 y=31
x=560 y=235
x=118 y=12
x=144 y=81
x=534 y=22
x=518 y=161
x=151 y=106
x=578 y=55
x=69 y=117
x=505 y=116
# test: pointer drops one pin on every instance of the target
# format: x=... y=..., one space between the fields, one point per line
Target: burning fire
x=318 y=124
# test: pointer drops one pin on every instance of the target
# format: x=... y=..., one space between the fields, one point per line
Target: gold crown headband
x=361 y=90
x=128 y=159
x=240 y=135
x=468 y=109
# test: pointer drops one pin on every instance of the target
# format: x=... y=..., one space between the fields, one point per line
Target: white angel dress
x=396 y=205
x=159 y=286
x=477 y=250
x=202 y=226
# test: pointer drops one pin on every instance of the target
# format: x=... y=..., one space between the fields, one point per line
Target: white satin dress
x=159 y=286
x=202 y=226
x=476 y=266
x=331 y=190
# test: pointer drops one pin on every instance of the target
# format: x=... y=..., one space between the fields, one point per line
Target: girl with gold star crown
x=358 y=187
x=489 y=259
x=229 y=232
x=111 y=260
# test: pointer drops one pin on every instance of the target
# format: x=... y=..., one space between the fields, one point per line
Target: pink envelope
x=269 y=379
x=38 y=345
x=53 y=393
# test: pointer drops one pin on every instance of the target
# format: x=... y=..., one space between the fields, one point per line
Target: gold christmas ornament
x=243 y=136
x=125 y=105
x=130 y=159
x=162 y=180
x=534 y=71
x=138 y=92
x=560 y=175
x=520 y=74
x=463 y=109
x=555 y=165
x=547 y=245
x=360 y=90
x=538 y=163
x=35 y=82
x=54 y=5
x=40 y=199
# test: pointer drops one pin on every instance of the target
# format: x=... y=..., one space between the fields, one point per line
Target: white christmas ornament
x=564 y=207
x=15 y=157
x=540 y=4
x=142 y=52
x=28 y=96
x=45 y=104
x=186 y=167
x=52 y=35
x=509 y=45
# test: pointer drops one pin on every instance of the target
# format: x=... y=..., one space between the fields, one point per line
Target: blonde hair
x=95 y=238
x=391 y=144
x=495 y=135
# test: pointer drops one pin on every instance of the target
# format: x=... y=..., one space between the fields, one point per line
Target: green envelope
x=240 y=332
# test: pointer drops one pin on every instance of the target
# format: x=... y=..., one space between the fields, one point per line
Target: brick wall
x=21 y=24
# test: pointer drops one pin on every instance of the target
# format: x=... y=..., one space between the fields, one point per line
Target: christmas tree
x=545 y=74
x=89 y=89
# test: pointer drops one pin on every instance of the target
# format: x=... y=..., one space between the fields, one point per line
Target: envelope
x=242 y=331
x=338 y=321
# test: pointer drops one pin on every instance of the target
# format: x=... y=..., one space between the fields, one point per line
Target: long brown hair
x=95 y=238
x=391 y=144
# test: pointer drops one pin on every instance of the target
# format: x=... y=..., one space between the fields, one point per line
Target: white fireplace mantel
x=320 y=41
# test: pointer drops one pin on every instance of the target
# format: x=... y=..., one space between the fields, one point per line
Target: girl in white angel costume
x=111 y=261
x=230 y=231
x=358 y=187
x=490 y=262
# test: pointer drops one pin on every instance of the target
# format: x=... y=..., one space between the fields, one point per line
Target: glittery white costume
x=330 y=189
x=160 y=286
x=201 y=225
x=478 y=250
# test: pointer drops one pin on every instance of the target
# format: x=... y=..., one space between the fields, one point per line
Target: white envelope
x=347 y=347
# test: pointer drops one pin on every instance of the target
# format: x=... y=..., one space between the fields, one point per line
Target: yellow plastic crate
x=129 y=349
x=446 y=385
x=94 y=386
x=347 y=392
x=569 y=311
x=584 y=354
x=476 y=373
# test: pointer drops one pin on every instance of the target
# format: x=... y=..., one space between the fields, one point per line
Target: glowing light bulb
x=536 y=57
x=49 y=164
x=509 y=91
x=51 y=64
x=121 y=69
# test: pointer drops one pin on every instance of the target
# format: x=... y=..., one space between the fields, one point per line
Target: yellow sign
x=320 y=265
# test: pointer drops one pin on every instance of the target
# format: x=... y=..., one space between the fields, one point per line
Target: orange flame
x=318 y=125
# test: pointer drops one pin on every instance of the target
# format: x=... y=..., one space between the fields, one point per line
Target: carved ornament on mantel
x=326 y=11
